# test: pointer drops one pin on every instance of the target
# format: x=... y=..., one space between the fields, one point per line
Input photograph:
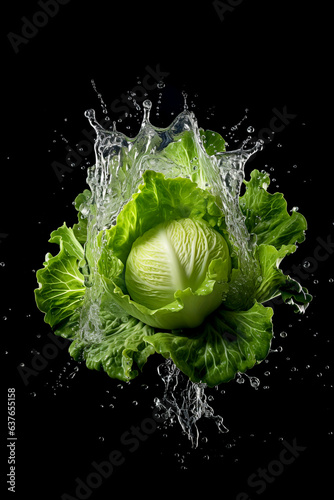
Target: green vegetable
x=164 y=262
x=179 y=261
x=168 y=276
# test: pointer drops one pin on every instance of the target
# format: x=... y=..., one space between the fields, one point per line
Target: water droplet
x=283 y=334
x=185 y=95
x=316 y=282
x=73 y=374
x=2 y=264
x=331 y=280
x=135 y=403
x=306 y=264
x=254 y=382
x=250 y=129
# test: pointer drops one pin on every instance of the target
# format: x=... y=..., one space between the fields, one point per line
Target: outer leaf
x=227 y=343
x=182 y=152
x=80 y=203
x=275 y=283
x=212 y=142
x=267 y=216
x=121 y=350
x=277 y=232
x=61 y=285
x=118 y=345
x=69 y=328
x=272 y=278
x=294 y=294
x=187 y=154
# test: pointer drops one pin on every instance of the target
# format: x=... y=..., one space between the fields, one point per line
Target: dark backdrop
x=238 y=61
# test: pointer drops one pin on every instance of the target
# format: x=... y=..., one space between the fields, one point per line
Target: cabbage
x=183 y=261
x=169 y=274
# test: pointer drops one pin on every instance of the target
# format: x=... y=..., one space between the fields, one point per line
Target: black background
x=259 y=57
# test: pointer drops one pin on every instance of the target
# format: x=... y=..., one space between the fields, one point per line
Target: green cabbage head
x=168 y=276
x=180 y=260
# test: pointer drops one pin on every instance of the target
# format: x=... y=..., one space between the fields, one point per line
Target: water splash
x=117 y=173
x=115 y=177
x=254 y=381
x=185 y=401
x=103 y=104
